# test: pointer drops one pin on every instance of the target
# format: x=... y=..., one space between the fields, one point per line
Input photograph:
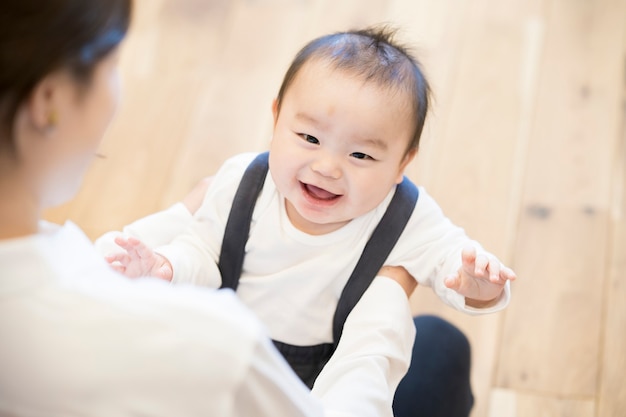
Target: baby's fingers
x=453 y=282
x=494 y=267
x=118 y=261
x=122 y=242
x=482 y=265
x=500 y=274
x=141 y=249
x=117 y=258
x=119 y=268
x=468 y=256
x=469 y=260
x=508 y=274
x=137 y=249
x=134 y=247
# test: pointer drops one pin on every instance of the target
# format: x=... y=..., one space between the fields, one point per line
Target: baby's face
x=338 y=147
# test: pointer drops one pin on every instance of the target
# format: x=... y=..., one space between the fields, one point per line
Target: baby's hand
x=139 y=260
x=480 y=279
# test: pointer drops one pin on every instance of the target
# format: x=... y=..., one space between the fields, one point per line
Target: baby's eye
x=309 y=138
x=360 y=155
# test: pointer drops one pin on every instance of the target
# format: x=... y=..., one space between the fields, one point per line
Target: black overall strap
x=238 y=224
x=376 y=251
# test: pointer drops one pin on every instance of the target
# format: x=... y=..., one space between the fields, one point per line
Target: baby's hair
x=374 y=55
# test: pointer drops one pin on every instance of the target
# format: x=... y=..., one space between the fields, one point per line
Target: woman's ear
x=410 y=155
x=41 y=107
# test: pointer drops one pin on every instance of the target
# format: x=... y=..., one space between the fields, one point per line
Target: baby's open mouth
x=319 y=193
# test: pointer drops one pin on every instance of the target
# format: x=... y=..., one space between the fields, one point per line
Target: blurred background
x=525 y=148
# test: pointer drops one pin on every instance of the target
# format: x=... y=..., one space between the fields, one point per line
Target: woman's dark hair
x=38 y=37
x=373 y=55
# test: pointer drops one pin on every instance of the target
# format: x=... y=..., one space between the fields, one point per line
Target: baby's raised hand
x=139 y=260
x=480 y=279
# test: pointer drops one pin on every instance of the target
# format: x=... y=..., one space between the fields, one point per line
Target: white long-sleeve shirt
x=81 y=340
x=293 y=280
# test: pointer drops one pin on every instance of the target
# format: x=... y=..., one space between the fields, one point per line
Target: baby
x=347 y=121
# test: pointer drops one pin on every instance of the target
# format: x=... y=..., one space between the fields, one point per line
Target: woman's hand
x=194 y=199
x=401 y=276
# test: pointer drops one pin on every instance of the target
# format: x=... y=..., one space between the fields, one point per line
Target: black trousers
x=438 y=381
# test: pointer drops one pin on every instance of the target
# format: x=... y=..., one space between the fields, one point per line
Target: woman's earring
x=53 y=120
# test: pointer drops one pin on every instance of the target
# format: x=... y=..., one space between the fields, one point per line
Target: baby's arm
x=441 y=255
x=137 y=258
x=158 y=228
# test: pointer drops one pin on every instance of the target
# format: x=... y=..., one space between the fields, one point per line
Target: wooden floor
x=525 y=148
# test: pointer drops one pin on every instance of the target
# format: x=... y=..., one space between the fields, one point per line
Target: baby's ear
x=410 y=155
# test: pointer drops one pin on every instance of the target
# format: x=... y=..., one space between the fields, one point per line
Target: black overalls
x=308 y=361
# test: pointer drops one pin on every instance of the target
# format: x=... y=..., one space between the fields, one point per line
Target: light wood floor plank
x=612 y=388
x=472 y=179
x=552 y=330
x=506 y=403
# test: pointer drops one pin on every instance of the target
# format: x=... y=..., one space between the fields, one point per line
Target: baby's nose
x=327 y=166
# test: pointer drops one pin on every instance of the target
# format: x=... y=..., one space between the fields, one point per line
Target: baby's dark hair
x=372 y=54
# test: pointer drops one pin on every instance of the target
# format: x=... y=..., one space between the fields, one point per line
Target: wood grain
x=552 y=336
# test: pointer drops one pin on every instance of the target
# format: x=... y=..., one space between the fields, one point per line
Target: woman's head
x=38 y=38
x=58 y=89
x=372 y=55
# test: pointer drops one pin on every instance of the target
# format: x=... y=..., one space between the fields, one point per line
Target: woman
x=78 y=339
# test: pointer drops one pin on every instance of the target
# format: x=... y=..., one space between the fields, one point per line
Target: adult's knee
x=440 y=339
x=438 y=380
